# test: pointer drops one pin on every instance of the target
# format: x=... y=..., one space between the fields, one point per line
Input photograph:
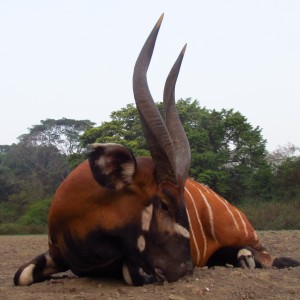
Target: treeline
x=228 y=154
x=32 y=169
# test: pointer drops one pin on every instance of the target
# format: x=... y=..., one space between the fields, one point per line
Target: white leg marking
x=146 y=217
x=246 y=259
x=141 y=243
x=126 y=275
x=244 y=252
x=181 y=230
x=26 y=277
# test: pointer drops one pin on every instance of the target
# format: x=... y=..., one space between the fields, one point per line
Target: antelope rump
x=143 y=218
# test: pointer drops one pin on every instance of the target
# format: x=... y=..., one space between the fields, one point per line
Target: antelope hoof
x=246 y=259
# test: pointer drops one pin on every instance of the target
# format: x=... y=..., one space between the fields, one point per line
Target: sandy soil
x=215 y=283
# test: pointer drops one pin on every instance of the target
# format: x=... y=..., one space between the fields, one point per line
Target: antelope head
x=166 y=227
x=162 y=242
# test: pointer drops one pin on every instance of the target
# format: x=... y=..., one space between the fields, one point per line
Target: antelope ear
x=112 y=165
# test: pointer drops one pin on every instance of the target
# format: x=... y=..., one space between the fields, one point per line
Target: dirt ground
x=214 y=283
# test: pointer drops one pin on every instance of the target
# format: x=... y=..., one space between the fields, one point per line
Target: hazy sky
x=75 y=59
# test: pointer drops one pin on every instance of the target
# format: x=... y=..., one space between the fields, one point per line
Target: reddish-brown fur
x=81 y=205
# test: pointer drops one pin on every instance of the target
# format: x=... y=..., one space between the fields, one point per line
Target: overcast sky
x=75 y=59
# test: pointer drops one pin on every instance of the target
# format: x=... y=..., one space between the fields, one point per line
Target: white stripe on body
x=193 y=237
x=201 y=228
x=224 y=202
x=205 y=187
x=210 y=213
x=243 y=222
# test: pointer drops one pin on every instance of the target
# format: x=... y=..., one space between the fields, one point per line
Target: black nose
x=188 y=265
x=174 y=272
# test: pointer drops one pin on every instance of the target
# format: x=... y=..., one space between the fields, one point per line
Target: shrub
x=8 y=212
x=36 y=213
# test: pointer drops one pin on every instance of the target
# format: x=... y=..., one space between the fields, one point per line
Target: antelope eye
x=164 y=206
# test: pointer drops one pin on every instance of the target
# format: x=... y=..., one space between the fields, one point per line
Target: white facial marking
x=146 y=217
x=126 y=275
x=181 y=230
x=102 y=161
x=141 y=243
x=26 y=277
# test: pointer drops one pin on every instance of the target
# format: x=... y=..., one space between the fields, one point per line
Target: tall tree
x=287 y=179
x=64 y=134
x=282 y=153
x=7 y=178
x=285 y=161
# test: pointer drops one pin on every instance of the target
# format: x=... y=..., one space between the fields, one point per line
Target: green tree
x=124 y=128
x=228 y=154
x=36 y=213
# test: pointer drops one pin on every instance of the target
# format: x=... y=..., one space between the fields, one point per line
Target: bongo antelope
x=141 y=217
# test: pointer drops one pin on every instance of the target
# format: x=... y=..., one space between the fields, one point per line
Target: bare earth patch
x=215 y=283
